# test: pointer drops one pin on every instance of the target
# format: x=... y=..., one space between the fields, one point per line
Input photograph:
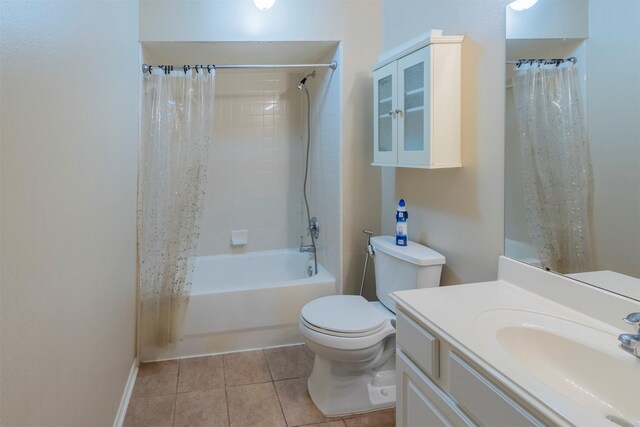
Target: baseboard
x=126 y=396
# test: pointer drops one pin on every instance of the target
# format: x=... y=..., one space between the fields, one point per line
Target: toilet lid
x=347 y=314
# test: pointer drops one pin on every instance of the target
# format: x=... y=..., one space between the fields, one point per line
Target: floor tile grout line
x=224 y=373
x=244 y=385
x=268 y=365
x=273 y=384
x=226 y=399
x=226 y=395
x=175 y=396
x=267 y=362
x=178 y=376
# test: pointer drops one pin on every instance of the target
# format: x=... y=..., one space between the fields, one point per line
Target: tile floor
x=254 y=388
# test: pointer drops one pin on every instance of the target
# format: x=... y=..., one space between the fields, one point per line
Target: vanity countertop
x=490 y=323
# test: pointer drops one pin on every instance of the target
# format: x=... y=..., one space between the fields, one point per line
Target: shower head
x=304 y=79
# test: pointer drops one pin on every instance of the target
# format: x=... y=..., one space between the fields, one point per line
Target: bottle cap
x=401 y=202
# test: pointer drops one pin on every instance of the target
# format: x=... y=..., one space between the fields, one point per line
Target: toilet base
x=336 y=390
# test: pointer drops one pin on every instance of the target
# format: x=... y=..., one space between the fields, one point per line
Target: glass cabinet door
x=384 y=115
x=414 y=108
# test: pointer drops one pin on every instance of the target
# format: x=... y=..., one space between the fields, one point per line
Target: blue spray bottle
x=401 y=224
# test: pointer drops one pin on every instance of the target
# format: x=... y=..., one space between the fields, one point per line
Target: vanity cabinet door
x=420 y=401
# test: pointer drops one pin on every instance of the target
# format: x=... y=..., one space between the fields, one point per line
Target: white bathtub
x=246 y=301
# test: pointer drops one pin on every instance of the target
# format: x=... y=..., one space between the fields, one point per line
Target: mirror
x=572 y=160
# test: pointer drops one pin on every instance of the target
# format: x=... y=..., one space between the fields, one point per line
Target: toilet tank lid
x=414 y=252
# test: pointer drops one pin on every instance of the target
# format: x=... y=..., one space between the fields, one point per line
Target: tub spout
x=307 y=248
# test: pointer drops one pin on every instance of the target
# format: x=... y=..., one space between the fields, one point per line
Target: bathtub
x=246 y=301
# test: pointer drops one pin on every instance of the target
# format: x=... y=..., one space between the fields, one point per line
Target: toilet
x=354 y=340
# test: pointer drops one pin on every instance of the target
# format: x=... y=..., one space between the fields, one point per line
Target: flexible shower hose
x=304 y=187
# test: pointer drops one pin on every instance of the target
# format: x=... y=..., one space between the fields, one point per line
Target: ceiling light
x=517 y=5
x=265 y=4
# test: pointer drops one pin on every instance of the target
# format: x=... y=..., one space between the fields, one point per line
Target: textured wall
x=69 y=131
x=458 y=212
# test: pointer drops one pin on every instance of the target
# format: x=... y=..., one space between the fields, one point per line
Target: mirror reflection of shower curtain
x=177 y=125
x=556 y=165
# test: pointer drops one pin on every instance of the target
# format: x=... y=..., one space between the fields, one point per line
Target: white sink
x=581 y=362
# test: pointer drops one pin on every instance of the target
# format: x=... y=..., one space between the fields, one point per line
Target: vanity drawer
x=421 y=347
x=479 y=397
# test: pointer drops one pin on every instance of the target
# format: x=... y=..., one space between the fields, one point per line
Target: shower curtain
x=556 y=164
x=177 y=125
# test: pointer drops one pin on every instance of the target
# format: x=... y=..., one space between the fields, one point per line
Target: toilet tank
x=400 y=268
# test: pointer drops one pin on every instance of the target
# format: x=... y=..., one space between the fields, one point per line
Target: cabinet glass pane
x=414 y=108
x=384 y=119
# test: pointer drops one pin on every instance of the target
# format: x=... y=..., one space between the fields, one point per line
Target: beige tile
x=156 y=378
x=382 y=418
x=288 y=362
x=337 y=423
x=201 y=409
x=200 y=373
x=248 y=367
x=155 y=411
x=254 y=405
x=296 y=404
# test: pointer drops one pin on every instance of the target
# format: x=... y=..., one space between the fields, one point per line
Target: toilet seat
x=345 y=322
x=343 y=316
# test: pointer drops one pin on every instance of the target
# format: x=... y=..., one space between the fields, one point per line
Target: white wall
x=550 y=19
x=458 y=212
x=614 y=132
x=356 y=23
x=69 y=125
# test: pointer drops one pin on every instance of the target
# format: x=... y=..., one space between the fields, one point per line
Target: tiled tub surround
x=257 y=159
x=325 y=175
x=256 y=163
x=254 y=388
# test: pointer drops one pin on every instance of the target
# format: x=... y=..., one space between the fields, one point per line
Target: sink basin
x=581 y=362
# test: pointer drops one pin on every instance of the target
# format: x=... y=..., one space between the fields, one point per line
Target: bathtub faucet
x=307 y=248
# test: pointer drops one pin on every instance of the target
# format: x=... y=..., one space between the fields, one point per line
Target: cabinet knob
x=397 y=112
x=392 y=113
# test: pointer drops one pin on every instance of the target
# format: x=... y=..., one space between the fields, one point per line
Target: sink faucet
x=631 y=342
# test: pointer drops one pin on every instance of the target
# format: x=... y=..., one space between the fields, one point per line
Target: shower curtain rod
x=146 y=68
x=556 y=61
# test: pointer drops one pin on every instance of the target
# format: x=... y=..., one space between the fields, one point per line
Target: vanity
x=529 y=349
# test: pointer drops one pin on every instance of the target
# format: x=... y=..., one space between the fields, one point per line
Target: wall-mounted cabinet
x=416 y=109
